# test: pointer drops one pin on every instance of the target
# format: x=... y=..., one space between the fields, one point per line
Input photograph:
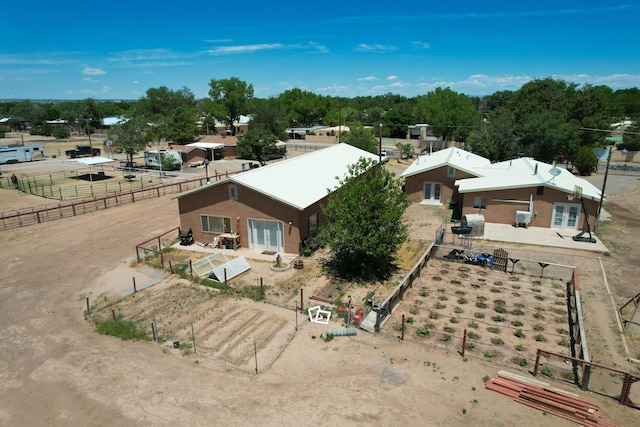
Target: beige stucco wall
x=214 y=201
x=500 y=211
x=414 y=184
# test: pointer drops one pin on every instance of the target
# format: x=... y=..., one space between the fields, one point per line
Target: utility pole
x=604 y=184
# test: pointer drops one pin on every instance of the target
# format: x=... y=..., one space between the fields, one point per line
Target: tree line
x=548 y=119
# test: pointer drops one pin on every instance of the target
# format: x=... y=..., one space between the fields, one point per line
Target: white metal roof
x=206 y=145
x=454 y=157
x=90 y=161
x=303 y=180
x=523 y=173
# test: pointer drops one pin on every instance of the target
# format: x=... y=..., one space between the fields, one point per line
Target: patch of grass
x=498 y=318
x=410 y=320
x=478 y=315
x=538 y=327
x=520 y=347
x=518 y=333
x=481 y=304
x=123 y=329
x=493 y=330
x=488 y=355
x=523 y=362
x=517 y=312
x=473 y=335
x=453 y=320
x=462 y=301
x=434 y=315
x=497 y=341
x=473 y=324
x=540 y=338
x=458 y=310
x=499 y=309
x=449 y=329
x=471 y=345
x=538 y=315
x=446 y=337
x=517 y=323
x=440 y=306
x=443 y=297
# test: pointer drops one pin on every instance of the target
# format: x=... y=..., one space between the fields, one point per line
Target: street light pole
x=206 y=168
x=380 y=145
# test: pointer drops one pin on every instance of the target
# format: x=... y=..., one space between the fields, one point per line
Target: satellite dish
x=555 y=171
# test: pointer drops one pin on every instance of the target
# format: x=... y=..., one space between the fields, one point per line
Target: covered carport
x=92 y=163
x=215 y=151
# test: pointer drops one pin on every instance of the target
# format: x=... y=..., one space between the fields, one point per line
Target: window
x=215 y=224
x=233 y=192
x=480 y=202
x=451 y=172
x=312 y=223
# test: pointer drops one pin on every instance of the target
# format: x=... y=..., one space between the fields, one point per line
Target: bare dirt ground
x=56 y=370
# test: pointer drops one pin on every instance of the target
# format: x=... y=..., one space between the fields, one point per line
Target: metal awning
x=90 y=161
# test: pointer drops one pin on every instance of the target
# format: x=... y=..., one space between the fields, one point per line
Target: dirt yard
x=56 y=370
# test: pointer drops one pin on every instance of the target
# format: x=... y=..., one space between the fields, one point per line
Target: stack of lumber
x=540 y=395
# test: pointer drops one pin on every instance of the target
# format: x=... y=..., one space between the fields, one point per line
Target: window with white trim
x=215 y=224
x=480 y=202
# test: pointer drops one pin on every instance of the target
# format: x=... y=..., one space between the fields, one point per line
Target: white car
x=384 y=157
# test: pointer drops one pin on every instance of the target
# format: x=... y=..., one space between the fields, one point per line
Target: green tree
x=181 y=127
x=450 y=115
x=585 y=161
x=361 y=137
x=396 y=123
x=130 y=137
x=407 y=149
x=548 y=137
x=496 y=137
x=364 y=226
x=230 y=98
x=61 y=132
x=267 y=115
x=256 y=144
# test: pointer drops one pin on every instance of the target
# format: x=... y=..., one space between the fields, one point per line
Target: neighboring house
x=528 y=192
x=430 y=179
x=520 y=191
x=272 y=208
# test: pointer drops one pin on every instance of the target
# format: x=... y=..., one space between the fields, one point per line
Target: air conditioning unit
x=523 y=218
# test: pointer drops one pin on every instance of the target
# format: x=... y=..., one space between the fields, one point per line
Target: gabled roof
x=523 y=173
x=454 y=157
x=299 y=181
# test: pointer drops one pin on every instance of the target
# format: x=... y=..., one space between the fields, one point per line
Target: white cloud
x=318 y=48
x=93 y=71
x=367 y=79
x=420 y=45
x=375 y=48
x=392 y=77
x=248 y=48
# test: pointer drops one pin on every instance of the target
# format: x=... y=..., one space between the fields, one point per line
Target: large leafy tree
x=360 y=137
x=230 y=98
x=364 y=226
x=450 y=115
x=496 y=137
x=130 y=137
x=256 y=144
x=181 y=127
x=548 y=137
x=396 y=123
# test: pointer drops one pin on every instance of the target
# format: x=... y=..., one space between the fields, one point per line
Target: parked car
x=384 y=156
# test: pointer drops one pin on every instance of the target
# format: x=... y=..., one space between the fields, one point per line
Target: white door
x=266 y=235
x=431 y=191
x=565 y=216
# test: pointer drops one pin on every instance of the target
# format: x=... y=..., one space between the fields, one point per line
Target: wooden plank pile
x=540 y=395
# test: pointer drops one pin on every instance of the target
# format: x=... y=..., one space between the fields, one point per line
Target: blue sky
x=118 y=50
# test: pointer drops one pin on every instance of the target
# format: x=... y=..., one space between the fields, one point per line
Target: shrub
x=446 y=337
x=473 y=324
x=540 y=338
x=497 y=341
x=61 y=132
x=473 y=335
x=546 y=372
x=523 y=362
x=498 y=318
x=585 y=161
x=499 y=308
x=493 y=330
x=471 y=345
x=458 y=310
x=518 y=333
x=517 y=312
x=478 y=315
x=422 y=331
x=124 y=329
x=517 y=323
